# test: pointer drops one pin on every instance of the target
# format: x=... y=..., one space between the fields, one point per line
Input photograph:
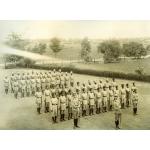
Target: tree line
x=112 y=50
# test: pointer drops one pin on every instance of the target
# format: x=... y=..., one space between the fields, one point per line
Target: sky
x=76 y=29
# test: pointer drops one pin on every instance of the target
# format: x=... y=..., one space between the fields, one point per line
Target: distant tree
x=134 y=49
x=15 y=40
x=85 y=49
x=148 y=47
x=110 y=49
x=55 y=45
x=39 y=48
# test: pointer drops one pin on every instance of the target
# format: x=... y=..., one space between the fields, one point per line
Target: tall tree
x=55 y=45
x=111 y=50
x=134 y=49
x=15 y=40
x=85 y=49
x=39 y=48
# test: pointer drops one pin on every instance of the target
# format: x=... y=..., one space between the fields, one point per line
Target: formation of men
x=60 y=94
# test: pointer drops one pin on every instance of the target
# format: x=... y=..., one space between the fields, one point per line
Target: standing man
x=28 y=86
x=16 y=88
x=71 y=79
x=135 y=98
x=76 y=110
x=6 y=84
x=91 y=101
x=38 y=96
x=69 y=104
x=33 y=85
x=117 y=109
x=128 y=95
x=84 y=97
x=111 y=98
x=54 y=107
x=62 y=101
x=23 y=87
x=105 y=99
x=123 y=96
x=98 y=97
x=47 y=99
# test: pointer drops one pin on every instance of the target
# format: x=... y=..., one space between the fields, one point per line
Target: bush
x=109 y=74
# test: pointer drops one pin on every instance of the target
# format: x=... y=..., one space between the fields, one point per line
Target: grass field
x=127 y=66
x=21 y=113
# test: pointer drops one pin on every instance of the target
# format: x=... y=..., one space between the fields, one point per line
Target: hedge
x=109 y=74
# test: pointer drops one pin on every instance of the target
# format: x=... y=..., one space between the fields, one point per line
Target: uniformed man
x=12 y=78
x=62 y=79
x=89 y=86
x=54 y=105
x=38 y=83
x=111 y=98
x=105 y=99
x=67 y=80
x=123 y=96
x=6 y=84
x=91 y=102
x=43 y=84
x=38 y=96
x=135 y=98
x=33 y=85
x=117 y=109
x=95 y=87
x=76 y=110
x=23 y=87
x=80 y=100
x=78 y=87
x=84 y=87
x=133 y=88
x=106 y=84
x=63 y=102
x=69 y=104
x=84 y=97
x=128 y=95
x=98 y=97
x=16 y=88
x=71 y=79
x=113 y=84
x=47 y=96
x=100 y=84
x=28 y=86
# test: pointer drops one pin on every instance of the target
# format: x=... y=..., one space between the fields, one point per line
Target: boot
x=77 y=123
x=47 y=109
x=39 y=110
x=64 y=117
x=55 y=119
x=71 y=115
x=136 y=111
x=116 y=124
x=74 y=121
x=61 y=117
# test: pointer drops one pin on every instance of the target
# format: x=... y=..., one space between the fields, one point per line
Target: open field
x=21 y=113
x=127 y=66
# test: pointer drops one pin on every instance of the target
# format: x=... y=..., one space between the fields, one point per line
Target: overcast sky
x=76 y=29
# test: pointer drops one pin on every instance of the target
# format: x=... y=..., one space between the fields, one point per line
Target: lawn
x=123 y=66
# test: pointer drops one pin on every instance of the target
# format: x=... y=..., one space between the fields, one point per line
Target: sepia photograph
x=74 y=75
